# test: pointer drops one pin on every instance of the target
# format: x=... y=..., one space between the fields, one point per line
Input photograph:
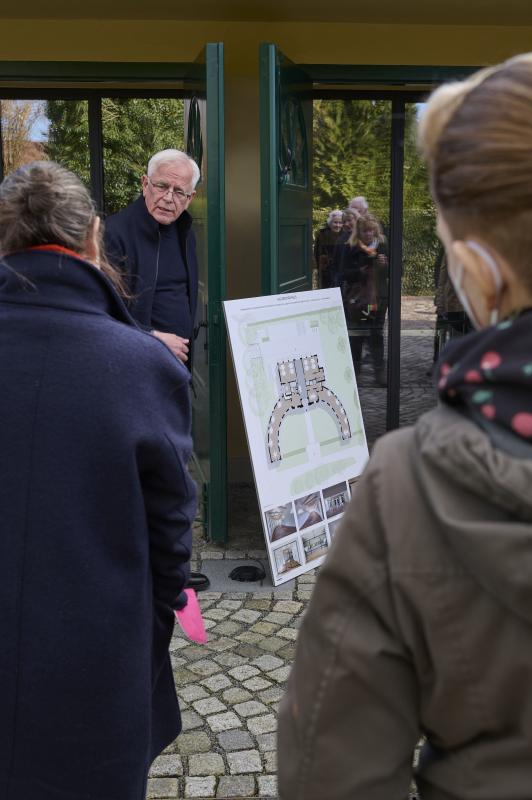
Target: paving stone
x=267 y=663
x=224 y=722
x=256 y=554
x=243 y=672
x=230 y=660
x=263 y=724
x=167 y=764
x=195 y=742
x=249 y=709
x=267 y=786
x=272 y=695
x=209 y=595
x=283 y=594
x=231 y=605
x=210 y=705
x=262 y=596
x=191 y=692
x=177 y=661
x=217 y=682
x=256 y=684
x=308 y=577
x=208 y=624
x=216 y=613
x=266 y=742
x=270 y=761
x=258 y=605
x=288 y=633
x=228 y=628
x=288 y=653
x=272 y=644
x=190 y=720
x=232 y=786
x=206 y=555
x=249 y=637
x=194 y=652
x=161 y=787
x=280 y=675
x=235 y=555
x=278 y=617
x=177 y=643
x=303 y=596
x=248 y=650
x=236 y=695
x=205 y=667
x=266 y=628
x=235 y=740
x=221 y=644
x=200 y=787
x=206 y=764
x=244 y=761
x=288 y=606
x=183 y=676
x=246 y=615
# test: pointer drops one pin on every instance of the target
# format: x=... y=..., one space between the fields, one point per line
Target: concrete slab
x=217 y=570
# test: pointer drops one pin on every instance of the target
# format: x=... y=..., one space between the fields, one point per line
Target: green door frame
x=30 y=76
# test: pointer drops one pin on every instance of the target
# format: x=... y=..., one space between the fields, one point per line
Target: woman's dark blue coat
x=95 y=513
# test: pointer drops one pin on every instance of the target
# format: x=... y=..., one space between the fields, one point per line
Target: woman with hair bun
x=95 y=505
x=420 y=624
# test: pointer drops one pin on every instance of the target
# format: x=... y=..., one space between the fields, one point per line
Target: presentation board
x=302 y=417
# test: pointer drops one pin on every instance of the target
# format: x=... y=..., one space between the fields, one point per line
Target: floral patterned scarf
x=488 y=375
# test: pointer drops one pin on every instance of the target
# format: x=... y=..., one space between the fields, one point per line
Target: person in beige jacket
x=420 y=624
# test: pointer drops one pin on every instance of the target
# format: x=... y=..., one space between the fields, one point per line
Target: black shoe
x=198 y=581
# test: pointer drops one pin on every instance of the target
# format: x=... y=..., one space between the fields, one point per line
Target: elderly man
x=152 y=242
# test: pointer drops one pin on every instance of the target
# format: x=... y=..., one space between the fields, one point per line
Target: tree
x=18 y=118
x=133 y=130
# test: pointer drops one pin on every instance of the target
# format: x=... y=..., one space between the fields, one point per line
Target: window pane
x=133 y=130
x=352 y=159
x=68 y=136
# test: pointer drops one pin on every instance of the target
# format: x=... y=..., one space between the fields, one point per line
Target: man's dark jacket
x=95 y=534
x=132 y=242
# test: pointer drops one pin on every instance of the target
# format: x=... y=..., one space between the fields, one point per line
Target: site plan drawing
x=302 y=417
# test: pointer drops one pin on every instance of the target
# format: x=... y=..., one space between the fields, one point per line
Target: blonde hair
x=367 y=222
x=44 y=203
x=476 y=136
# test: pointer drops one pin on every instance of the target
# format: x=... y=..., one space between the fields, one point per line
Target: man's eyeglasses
x=164 y=188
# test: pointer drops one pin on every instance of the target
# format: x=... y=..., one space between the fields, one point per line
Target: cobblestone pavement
x=229 y=689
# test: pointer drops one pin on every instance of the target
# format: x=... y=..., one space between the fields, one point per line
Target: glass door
x=204 y=141
x=286 y=173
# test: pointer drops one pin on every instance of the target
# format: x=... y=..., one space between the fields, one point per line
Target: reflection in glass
x=430 y=311
x=352 y=141
x=24 y=132
x=133 y=129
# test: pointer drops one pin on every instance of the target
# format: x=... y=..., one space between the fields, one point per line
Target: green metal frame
x=269 y=129
x=392 y=75
x=217 y=501
x=39 y=72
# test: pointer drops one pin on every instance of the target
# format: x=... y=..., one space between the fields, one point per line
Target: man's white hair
x=359 y=201
x=167 y=156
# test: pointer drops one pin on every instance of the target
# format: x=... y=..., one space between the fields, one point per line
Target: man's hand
x=177 y=345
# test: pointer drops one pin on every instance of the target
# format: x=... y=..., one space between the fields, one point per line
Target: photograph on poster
x=280 y=521
x=286 y=558
x=335 y=499
x=315 y=543
x=352 y=482
x=309 y=510
x=301 y=410
x=333 y=527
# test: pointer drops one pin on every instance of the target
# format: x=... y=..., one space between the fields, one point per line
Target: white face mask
x=457 y=283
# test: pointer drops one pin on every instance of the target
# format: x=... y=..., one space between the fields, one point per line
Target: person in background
x=96 y=506
x=152 y=242
x=364 y=283
x=360 y=205
x=420 y=623
x=324 y=245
